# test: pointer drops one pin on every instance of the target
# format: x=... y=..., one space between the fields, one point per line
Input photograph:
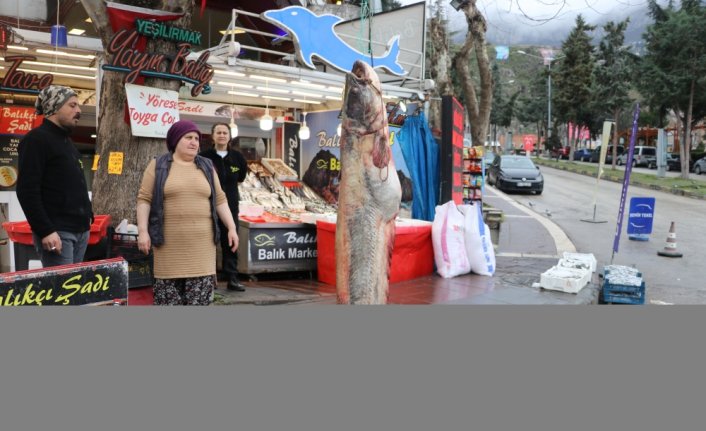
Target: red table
x=412 y=255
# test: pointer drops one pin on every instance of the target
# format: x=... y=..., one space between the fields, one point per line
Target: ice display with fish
x=369 y=195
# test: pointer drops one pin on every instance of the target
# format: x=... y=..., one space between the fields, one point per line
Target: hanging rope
x=366 y=15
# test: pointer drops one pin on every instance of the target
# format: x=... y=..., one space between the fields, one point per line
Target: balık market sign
x=128 y=58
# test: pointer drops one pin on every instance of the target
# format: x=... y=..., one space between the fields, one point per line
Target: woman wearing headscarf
x=232 y=169
x=178 y=207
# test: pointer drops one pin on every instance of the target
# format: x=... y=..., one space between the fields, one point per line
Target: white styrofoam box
x=588 y=257
x=250 y=210
x=570 y=280
x=308 y=217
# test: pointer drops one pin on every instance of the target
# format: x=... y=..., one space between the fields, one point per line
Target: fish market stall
x=276 y=227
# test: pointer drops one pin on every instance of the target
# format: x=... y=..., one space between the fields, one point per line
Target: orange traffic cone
x=670 y=249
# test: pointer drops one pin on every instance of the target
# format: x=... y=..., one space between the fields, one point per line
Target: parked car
x=515 y=173
x=584 y=155
x=700 y=166
x=674 y=163
x=596 y=154
x=560 y=152
x=642 y=156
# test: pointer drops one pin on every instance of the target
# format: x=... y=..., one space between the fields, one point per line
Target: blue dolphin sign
x=314 y=35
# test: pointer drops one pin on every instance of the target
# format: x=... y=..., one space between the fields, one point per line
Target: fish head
x=363 y=108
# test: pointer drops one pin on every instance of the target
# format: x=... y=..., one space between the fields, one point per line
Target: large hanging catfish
x=369 y=193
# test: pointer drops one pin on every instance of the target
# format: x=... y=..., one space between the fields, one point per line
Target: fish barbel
x=369 y=193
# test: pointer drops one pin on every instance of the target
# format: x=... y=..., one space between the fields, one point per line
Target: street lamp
x=549 y=87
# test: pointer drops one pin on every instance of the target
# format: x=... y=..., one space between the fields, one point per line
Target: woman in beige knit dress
x=177 y=208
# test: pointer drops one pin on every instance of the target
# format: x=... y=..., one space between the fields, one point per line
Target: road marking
x=541 y=256
x=658 y=302
x=561 y=241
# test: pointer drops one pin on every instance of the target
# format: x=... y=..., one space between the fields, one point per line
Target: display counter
x=267 y=247
x=412 y=254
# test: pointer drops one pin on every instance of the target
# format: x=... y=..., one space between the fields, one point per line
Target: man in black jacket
x=231 y=168
x=51 y=187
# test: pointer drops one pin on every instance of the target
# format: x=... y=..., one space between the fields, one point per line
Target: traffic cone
x=670 y=249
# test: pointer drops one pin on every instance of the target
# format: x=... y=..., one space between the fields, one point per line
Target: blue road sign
x=640 y=218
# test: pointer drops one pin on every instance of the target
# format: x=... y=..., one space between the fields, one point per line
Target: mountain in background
x=515 y=29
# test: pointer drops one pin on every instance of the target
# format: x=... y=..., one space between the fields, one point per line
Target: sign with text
x=18 y=120
x=115 y=163
x=77 y=284
x=8 y=161
x=640 y=218
x=292 y=147
x=227 y=111
x=152 y=111
x=272 y=245
x=20 y=81
x=528 y=142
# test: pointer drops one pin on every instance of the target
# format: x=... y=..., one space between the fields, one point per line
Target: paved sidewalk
x=528 y=245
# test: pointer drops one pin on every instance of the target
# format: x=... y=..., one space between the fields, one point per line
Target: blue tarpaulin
x=421 y=153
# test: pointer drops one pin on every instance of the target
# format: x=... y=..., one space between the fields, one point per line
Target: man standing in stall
x=51 y=186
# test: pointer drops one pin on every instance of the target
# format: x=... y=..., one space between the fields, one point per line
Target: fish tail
x=389 y=60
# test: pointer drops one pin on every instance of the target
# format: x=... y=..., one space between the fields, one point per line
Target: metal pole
x=549 y=101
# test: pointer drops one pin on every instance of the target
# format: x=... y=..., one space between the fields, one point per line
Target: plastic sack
x=121 y=227
x=478 y=245
x=447 y=235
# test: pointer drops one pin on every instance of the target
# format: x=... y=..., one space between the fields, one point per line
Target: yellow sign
x=96 y=157
x=115 y=163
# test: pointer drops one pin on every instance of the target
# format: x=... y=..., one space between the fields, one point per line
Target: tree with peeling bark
x=438 y=59
x=476 y=101
x=116 y=194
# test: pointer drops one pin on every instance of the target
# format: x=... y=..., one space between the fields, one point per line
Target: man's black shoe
x=235 y=285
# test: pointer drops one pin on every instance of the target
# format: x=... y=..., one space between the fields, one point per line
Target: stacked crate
x=622 y=285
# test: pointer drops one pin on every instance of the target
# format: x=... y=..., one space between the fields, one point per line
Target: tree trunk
x=117 y=194
x=686 y=151
x=478 y=110
x=439 y=70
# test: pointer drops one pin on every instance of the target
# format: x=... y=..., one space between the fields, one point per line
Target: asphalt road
x=569 y=197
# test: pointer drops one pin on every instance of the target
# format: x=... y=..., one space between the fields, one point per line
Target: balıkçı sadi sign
x=78 y=284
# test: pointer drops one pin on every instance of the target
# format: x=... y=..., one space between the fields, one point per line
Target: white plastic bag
x=121 y=227
x=448 y=240
x=479 y=247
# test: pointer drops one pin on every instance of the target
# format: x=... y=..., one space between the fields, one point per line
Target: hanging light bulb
x=266 y=120
x=304 y=130
x=233 y=129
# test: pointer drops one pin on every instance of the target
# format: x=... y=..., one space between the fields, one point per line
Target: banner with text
x=78 y=284
x=18 y=120
x=8 y=161
x=152 y=111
